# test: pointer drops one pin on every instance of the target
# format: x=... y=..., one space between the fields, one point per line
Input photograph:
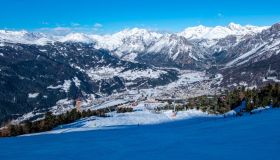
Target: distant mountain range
x=187 y=49
x=39 y=69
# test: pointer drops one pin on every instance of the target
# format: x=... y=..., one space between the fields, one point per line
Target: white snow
x=24 y=37
x=110 y=104
x=126 y=42
x=142 y=117
x=65 y=86
x=103 y=72
x=76 y=37
x=130 y=57
x=218 y=32
x=260 y=109
x=170 y=44
x=245 y=55
x=195 y=32
x=42 y=50
x=54 y=87
x=25 y=117
x=76 y=81
x=247 y=137
x=108 y=72
x=62 y=106
x=148 y=73
x=33 y=95
x=190 y=84
x=129 y=43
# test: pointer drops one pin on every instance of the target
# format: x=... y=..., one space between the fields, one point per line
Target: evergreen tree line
x=171 y=106
x=204 y=103
x=124 y=109
x=49 y=122
x=268 y=95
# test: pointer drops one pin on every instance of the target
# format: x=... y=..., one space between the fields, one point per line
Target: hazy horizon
x=108 y=16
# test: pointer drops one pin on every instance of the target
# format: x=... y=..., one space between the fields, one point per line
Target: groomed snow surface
x=248 y=137
x=141 y=116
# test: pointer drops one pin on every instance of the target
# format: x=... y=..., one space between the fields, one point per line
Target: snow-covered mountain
x=75 y=37
x=194 y=48
x=218 y=32
x=24 y=37
x=256 y=48
x=253 y=60
x=128 y=40
x=133 y=44
x=173 y=51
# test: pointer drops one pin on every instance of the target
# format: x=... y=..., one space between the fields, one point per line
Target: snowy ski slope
x=254 y=136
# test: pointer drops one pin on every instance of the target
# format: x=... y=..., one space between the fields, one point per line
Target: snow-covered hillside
x=248 y=137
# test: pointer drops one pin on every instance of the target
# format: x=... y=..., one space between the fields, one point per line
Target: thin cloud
x=55 y=31
x=98 y=25
x=73 y=28
x=75 y=24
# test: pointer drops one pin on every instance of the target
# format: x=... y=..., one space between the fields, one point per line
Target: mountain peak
x=234 y=26
x=76 y=37
x=132 y=31
x=202 y=32
x=276 y=27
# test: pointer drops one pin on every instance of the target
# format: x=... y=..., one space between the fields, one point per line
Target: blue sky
x=106 y=16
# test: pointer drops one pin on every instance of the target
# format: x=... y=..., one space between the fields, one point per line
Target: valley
x=41 y=73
